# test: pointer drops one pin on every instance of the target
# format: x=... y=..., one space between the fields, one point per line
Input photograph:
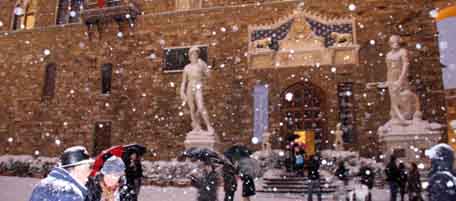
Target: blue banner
x=261 y=113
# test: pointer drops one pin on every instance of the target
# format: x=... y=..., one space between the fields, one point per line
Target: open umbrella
x=237 y=152
x=121 y=151
x=135 y=148
x=104 y=155
x=203 y=154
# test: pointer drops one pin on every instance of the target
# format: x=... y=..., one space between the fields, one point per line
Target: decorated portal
x=304 y=38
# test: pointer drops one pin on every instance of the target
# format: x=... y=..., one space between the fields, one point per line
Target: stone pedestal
x=201 y=139
x=409 y=140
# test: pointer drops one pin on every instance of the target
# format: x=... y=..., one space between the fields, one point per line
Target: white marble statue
x=404 y=103
x=192 y=91
x=338 y=140
x=266 y=146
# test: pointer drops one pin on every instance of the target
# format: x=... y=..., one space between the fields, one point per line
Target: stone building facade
x=52 y=72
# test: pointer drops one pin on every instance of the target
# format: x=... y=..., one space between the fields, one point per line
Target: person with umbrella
x=240 y=155
x=129 y=192
x=107 y=184
x=134 y=171
x=205 y=180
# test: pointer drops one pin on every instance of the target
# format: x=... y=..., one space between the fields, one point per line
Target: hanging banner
x=446 y=26
x=260 y=106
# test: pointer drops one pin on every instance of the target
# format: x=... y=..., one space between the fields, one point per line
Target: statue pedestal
x=408 y=140
x=202 y=139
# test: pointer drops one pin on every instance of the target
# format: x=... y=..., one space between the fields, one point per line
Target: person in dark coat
x=392 y=177
x=367 y=177
x=66 y=182
x=414 y=184
x=109 y=184
x=247 y=172
x=442 y=178
x=229 y=173
x=134 y=174
x=342 y=174
x=314 y=176
x=402 y=180
x=206 y=182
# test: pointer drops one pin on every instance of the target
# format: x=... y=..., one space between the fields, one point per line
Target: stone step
x=290 y=179
x=295 y=187
x=303 y=190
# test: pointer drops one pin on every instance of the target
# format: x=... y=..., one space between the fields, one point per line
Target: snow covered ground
x=19 y=189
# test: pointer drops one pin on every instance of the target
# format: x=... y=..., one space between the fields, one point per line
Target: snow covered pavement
x=19 y=189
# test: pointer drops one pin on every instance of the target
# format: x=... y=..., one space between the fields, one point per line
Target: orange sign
x=306 y=138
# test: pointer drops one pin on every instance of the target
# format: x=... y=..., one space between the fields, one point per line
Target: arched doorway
x=302 y=109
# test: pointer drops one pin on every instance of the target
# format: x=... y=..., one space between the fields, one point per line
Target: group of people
x=402 y=181
x=206 y=180
x=365 y=174
x=74 y=179
x=300 y=162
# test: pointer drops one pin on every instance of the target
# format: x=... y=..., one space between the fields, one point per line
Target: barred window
x=25 y=15
x=106 y=77
x=49 y=81
x=69 y=11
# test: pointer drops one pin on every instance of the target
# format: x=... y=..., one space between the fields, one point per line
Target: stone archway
x=303 y=108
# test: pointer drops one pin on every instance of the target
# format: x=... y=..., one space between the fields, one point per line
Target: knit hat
x=113 y=166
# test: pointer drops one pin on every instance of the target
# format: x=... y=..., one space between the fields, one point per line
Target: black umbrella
x=237 y=152
x=134 y=148
x=203 y=154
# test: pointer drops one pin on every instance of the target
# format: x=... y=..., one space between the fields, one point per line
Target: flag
x=275 y=35
x=101 y=3
x=325 y=30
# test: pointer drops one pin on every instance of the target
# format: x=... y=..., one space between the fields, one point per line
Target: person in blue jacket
x=66 y=182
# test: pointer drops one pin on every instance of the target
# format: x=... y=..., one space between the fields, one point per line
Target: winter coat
x=367 y=176
x=248 y=186
x=414 y=182
x=342 y=173
x=442 y=179
x=403 y=177
x=392 y=172
x=229 y=173
x=206 y=185
x=95 y=190
x=133 y=172
x=314 y=168
x=59 y=185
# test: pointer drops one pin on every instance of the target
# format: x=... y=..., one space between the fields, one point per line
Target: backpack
x=299 y=160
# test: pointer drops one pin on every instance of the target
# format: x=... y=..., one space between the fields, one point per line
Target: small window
x=69 y=11
x=49 y=81
x=177 y=58
x=25 y=15
x=188 y=4
x=106 y=77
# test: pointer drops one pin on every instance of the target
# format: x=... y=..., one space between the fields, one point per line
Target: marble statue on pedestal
x=266 y=146
x=191 y=93
x=338 y=140
x=192 y=90
x=406 y=127
x=405 y=105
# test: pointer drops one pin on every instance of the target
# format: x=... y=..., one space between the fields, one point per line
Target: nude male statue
x=338 y=140
x=191 y=91
x=404 y=103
